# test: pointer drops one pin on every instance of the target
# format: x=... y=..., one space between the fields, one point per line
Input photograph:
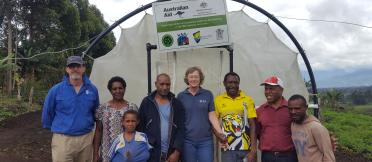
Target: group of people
x=170 y=128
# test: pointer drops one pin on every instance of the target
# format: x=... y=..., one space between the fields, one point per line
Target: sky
x=328 y=45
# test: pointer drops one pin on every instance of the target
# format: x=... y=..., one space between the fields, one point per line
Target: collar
x=86 y=80
x=283 y=104
x=201 y=90
x=153 y=93
x=138 y=136
x=241 y=95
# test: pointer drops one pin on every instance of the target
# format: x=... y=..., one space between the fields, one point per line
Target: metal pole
x=149 y=47
x=259 y=9
x=231 y=55
x=294 y=40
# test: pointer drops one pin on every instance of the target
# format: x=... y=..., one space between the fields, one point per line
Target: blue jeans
x=198 y=151
x=270 y=157
x=233 y=156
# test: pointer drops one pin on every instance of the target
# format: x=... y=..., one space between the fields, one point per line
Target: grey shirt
x=197 y=108
x=164 y=113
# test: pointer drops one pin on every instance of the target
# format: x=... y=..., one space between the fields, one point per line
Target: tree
x=93 y=24
x=332 y=98
x=48 y=26
x=358 y=97
x=8 y=13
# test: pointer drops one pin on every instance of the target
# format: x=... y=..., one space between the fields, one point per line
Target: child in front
x=130 y=146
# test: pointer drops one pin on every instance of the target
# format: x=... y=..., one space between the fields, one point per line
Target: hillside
x=342 y=78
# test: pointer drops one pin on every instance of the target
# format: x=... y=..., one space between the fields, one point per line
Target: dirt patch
x=23 y=140
x=349 y=157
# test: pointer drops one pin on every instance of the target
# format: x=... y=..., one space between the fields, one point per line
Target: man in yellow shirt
x=238 y=114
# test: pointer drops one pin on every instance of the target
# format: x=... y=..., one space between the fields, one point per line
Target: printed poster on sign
x=185 y=24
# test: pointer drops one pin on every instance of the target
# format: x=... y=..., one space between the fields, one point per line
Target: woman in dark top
x=199 y=118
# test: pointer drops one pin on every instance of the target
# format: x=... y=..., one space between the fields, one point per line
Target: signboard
x=185 y=24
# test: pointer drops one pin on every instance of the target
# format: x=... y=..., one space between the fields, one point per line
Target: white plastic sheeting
x=258 y=53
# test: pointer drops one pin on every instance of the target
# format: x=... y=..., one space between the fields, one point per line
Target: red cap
x=273 y=80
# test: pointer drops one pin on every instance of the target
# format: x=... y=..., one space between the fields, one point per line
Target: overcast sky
x=328 y=45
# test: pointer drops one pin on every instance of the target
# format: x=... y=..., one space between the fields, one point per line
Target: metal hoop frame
x=249 y=4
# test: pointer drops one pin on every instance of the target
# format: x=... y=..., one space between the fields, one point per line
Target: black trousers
x=279 y=157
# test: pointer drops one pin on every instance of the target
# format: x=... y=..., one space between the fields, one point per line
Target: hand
x=252 y=156
x=222 y=138
x=334 y=141
x=224 y=146
x=174 y=157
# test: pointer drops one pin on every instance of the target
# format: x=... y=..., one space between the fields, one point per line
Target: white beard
x=75 y=76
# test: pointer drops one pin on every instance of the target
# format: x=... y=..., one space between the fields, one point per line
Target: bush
x=10 y=107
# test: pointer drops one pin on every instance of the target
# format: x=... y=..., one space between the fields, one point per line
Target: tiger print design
x=235 y=131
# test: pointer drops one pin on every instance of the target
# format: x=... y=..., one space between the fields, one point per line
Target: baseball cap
x=74 y=60
x=273 y=80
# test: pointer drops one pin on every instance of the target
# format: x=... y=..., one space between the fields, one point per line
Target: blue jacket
x=150 y=125
x=70 y=113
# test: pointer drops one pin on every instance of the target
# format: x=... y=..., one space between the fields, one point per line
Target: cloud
x=336 y=45
x=329 y=45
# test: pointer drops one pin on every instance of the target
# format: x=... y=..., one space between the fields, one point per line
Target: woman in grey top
x=199 y=119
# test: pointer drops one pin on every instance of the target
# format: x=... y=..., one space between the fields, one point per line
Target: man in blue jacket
x=68 y=112
x=162 y=119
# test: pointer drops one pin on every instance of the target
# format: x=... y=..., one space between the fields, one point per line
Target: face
x=163 y=85
x=193 y=79
x=297 y=109
x=75 y=71
x=273 y=93
x=117 y=91
x=130 y=122
x=232 y=86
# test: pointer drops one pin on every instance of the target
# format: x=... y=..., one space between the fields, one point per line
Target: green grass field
x=363 y=109
x=353 y=130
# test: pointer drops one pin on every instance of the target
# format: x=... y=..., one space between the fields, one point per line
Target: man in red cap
x=274 y=124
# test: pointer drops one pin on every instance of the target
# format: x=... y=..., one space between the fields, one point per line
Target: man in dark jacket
x=162 y=118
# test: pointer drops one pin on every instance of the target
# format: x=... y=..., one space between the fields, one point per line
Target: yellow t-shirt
x=231 y=111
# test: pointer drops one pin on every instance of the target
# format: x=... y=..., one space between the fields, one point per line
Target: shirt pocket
x=63 y=104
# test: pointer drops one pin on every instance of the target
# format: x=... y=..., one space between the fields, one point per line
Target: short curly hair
x=116 y=79
x=191 y=70
x=231 y=74
x=131 y=111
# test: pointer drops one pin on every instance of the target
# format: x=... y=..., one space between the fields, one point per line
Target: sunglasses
x=74 y=66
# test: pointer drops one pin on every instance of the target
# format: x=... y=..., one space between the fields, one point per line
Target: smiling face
x=232 y=85
x=75 y=71
x=117 y=91
x=297 y=109
x=273 y=93
x=193 y=79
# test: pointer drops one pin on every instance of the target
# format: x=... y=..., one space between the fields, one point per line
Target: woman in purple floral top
x=108 y=119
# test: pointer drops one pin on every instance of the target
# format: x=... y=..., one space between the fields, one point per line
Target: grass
x=353 y=130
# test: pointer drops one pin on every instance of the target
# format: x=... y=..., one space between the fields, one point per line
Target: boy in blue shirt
x=130 y=146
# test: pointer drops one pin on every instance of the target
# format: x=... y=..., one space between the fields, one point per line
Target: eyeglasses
x=71 y=66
